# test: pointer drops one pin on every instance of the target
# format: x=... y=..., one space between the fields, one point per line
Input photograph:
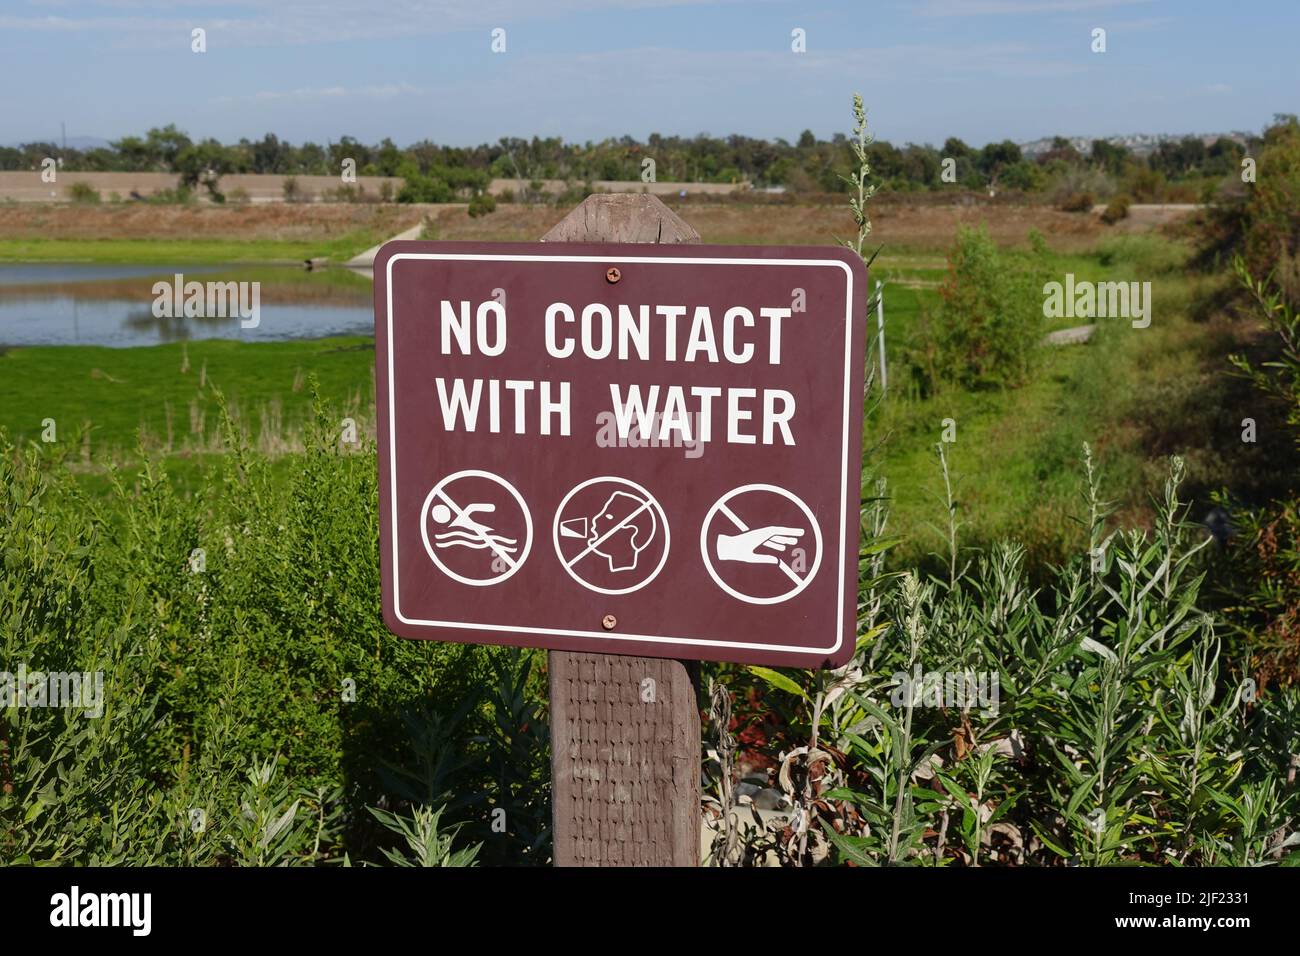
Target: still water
x=112 y=305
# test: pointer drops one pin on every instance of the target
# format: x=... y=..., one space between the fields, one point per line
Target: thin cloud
x=967 y=8
x=384 y=91
x=299 y=22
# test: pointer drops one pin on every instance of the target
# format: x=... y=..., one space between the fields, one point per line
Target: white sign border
x=607 y=635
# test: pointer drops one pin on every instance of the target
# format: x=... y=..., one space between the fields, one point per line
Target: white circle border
x=663 y=519
x=528 y=525
x=708 y=562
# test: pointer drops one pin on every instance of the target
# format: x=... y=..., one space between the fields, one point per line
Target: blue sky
x=586 y=69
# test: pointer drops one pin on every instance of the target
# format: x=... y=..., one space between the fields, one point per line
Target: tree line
x=435 y=173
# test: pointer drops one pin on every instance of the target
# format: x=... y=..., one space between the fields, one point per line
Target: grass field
x=182 y=251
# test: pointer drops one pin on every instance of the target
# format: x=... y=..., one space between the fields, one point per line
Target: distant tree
x=919 y=165
x=387 y=158
x=1108 y=156
x=203 y=164
x=1223 y=157
x=1062 y=151
x=269 y=155
x=1178 y=159
x=166 y=144
x=995 y=158
x=956 y=149
x=1025 y=176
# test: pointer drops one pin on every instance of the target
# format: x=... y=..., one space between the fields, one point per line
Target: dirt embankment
x=897 y=225
x=287 y=222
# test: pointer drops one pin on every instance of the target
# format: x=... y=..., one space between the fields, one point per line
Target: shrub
x=1265 y=589
x=82 y=192
x=182 y=195
x=1076 y=202
x=289 y=187
x=1147 y=185
x=1116 y=210
x=423 y=188
x=1024 y=175
x=347 y=192
x=989 y=319
x=1119 y=729
x=1271 y=234
x=225 y=688
x=481 y=204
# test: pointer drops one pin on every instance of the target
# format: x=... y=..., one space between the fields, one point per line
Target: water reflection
x=177 y=328
x=91 y=304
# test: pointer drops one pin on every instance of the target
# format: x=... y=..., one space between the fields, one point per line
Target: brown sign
x=629 y=449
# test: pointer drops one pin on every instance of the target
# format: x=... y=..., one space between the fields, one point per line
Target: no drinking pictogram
x=611 y=535
x=688 y=436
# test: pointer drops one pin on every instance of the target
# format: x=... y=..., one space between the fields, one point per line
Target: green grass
x=121 y=396
x=184 y=250
x=1017 y=455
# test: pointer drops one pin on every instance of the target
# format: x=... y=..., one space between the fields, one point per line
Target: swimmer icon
x=471 y=515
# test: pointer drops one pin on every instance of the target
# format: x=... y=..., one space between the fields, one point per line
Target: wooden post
x=625 y=731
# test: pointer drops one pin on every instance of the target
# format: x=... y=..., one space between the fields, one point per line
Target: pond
x=114 y=305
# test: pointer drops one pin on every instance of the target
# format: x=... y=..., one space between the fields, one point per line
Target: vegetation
x=1063 y=680
x=254 y=705
x=1116 y=210
x=83 y=193
x=1112 y=721
x=1260 y=228
x=989 y=321
x=1176 y=171
x=185 y=251
x=1144 y=735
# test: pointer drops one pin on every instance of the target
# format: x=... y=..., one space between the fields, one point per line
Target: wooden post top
x=621 y=217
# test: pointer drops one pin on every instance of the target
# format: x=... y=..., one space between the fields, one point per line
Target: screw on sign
x=492 y=409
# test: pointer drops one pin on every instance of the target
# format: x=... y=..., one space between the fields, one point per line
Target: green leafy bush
x=421 y=188
x=986 y=328
x=1113 y=723
x=82 y=192
x=481 y=204
x=249 y=681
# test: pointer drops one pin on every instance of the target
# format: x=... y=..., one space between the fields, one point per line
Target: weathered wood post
x=625 y=731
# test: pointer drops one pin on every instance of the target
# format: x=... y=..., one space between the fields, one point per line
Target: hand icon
x=744 y=547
